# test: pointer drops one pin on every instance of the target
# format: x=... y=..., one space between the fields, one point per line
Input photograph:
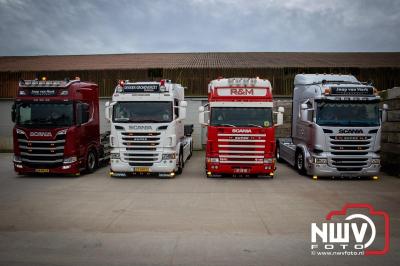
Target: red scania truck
x=241 y=134
x=57 y=127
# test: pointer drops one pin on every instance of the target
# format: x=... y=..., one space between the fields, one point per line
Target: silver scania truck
x=336 y=127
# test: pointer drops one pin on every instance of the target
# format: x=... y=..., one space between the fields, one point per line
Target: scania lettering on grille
x=241 y=130
x=350 y=131
x=140 y=127
x=40 y=134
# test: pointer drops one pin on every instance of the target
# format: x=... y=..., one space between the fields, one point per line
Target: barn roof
x=198 y=60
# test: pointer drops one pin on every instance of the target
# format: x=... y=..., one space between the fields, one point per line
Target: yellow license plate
x=141 y=169
x=42 y=170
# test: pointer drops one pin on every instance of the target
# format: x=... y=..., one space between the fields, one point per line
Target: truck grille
x=141 y=148
x=241 y=148
x=42 y=153
x=345 y=148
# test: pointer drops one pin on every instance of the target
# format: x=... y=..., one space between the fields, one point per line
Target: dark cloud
x=82 y=27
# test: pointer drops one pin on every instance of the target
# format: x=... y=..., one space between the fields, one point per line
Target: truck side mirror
x=78 y=114
x=202 y=114
x=304 y=112
x=385 y=108
x=13 y=113
x=107 y=113
x=182 y=113
x=279 y=116
x=181 y=110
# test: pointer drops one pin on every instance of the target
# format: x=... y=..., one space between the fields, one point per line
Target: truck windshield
x=348 y=114
x=144 y=112
x=241 y=116
x=54 y=114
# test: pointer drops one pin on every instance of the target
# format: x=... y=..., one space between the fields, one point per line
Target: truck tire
x=191 y=151
x=181 y=163
x=299 y=164
x=91 y=161
x=278 y=153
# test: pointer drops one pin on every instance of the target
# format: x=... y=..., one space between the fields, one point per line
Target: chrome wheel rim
x=91 y=160
x=300 y=161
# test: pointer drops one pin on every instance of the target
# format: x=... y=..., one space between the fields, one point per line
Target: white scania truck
x=336 y=127
x=148 y=135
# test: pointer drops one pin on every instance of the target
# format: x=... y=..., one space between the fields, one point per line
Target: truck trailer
x=57 y=128
x=336 y=127
x=148 y=135
x=240 y=129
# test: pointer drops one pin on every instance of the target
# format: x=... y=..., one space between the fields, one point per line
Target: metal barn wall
x=196 y=79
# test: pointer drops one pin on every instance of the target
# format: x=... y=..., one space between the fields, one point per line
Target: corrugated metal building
x=194 y=70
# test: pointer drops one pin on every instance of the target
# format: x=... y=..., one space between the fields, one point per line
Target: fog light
x=375 y=177
x=269 y=160
x=271 y=174
x=17 y=159
x=71 y=159
x=212 y=160
x=172 y=174
x=320 y=160
x=315 y=177
x=66 y=167
x=208 y=173
x=376 y=161
x=115 y=156
x=168 y=156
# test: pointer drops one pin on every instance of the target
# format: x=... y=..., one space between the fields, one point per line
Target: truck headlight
x=320 y=160
x=62 y=132
x=115 y=156
x=212 y=160
x=168 y=156
x=268 y=160
x=71 y=159
x=19 y=131
x=17 y=159
x=376 y=161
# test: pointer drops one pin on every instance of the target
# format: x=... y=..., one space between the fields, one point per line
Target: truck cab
x=240 y=129
x=148 y=134
x=336 y=127
x=56 y=127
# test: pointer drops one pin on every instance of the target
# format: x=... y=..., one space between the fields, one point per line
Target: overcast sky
x=50 y=27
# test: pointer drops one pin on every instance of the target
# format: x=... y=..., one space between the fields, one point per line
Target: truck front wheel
x=278 y=153
x=91 y=161
x=181 y=163
x=300 y=162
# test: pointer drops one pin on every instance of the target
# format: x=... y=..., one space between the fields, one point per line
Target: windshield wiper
x=253 y=125
x=121 y=119
x=225 y=125
x=146 y=121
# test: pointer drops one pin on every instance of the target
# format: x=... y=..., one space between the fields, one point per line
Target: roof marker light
x=121 y=83
x=327 y=91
